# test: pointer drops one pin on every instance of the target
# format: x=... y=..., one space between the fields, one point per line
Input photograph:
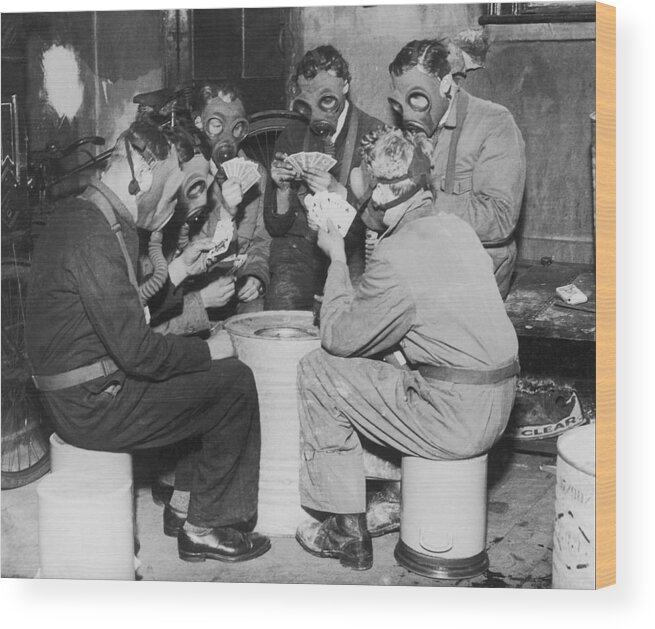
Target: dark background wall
x=120 y=54
x=546 y=76
x=544 y=73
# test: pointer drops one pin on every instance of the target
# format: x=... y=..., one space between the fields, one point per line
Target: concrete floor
x=520 y=533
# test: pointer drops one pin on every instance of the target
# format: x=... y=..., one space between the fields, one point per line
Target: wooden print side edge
x=606 y=295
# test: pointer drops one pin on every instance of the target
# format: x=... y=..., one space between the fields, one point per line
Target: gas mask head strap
x=133 y=187
x=418 y=171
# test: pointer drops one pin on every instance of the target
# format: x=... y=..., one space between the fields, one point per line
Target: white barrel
x=271 y=344
x=86 y=528
x=65 y=457
x=574 y=543
x=443 y=521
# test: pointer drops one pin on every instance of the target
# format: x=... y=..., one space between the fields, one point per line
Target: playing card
x=292 y=160
x=319 y=161
x=243 y=170
x=249 y=179
x=313 y=159
x=324 y=205
x=221 y=239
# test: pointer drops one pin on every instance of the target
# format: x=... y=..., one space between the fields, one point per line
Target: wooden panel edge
x=606 y=295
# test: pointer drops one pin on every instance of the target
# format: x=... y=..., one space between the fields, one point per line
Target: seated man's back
x=459 y=320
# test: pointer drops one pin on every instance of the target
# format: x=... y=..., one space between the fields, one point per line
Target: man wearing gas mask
x=163 y=263
x=429 y=297
x=334 y=126
x=478 y=154
x=221 y=119
x=113 y=384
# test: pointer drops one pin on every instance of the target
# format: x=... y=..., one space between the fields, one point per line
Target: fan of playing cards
x=222 y=238
x=301 y=161
x=324 y=205
x=243 y=170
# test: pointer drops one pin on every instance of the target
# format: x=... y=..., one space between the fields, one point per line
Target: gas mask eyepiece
x=193 y=191
x=320 y=100
x=225 y=137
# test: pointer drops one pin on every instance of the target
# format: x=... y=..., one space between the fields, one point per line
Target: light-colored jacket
x=488 y=178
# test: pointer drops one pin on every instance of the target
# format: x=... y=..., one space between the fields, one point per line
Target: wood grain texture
x=606 y=296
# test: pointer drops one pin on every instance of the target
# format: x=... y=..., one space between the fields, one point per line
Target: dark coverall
x=484 y=149
x=82 y=308
x=428 y=288
x=298 y=267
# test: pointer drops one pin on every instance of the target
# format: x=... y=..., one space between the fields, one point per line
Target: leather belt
x=469 y=376
x=71 y=378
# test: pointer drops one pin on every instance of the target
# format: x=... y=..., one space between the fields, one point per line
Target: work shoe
x=222 y=544
x=383 y=511
x=173 y=520
x=340 y=536
x=161 y=493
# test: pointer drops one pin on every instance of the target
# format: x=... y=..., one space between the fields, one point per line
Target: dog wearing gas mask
x=332 y=125
x=478 y=153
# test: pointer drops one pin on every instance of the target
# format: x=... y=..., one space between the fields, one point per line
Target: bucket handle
x=435 y=541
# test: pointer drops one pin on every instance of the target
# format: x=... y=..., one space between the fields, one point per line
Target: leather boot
x=383 y=511
x=340 y=536
x=222 y=544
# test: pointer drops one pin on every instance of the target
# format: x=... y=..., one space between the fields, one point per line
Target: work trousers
x=219 y=405
x=298 y=271
x=341 y=398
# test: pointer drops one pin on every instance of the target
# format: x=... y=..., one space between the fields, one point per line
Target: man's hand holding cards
x=243 y=170
x=324 y=205
x=222 y=238
x=304 y=160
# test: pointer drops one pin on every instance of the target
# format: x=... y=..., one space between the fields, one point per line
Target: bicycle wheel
x=25 y=449
x=265 y=127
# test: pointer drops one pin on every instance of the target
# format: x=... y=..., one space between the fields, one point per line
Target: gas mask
x=421 y=99
x=321 y=100
x=193 y=191
x=156 y=193
x=418 y=173
x=225 y=126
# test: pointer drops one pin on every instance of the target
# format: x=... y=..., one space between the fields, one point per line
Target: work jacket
x=83 y=308
x=429 y=289
x=484 y=185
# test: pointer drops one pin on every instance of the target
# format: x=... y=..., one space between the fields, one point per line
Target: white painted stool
x=86 y=515
x=443 y=518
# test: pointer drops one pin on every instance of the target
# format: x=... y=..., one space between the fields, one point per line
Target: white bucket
x=574 y=544
x=443 y=521
x=86 y=527
x=65 y=457
x=271 y=344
